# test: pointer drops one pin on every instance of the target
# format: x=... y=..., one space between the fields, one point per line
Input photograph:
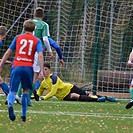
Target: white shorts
x=36 y=66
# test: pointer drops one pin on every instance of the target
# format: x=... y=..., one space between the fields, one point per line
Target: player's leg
x=36 y=69
x=131 y=89
x=27 y=80
x=24 y=102
x=79 y=91
x=130 y=104
x=77 y=97
x=108 y=98
x=4 y=86
x=11 y=99
x=19 y=93
x=14 y=83
x=84 y=96
x=33 y=86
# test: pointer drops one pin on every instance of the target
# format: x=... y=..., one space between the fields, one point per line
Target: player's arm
x=45 y=35
x=58 y=50
x=130 y=60
x=56 y=47
x=8 y=53
x=7 y=62
x=1 y=43
x=41 y=89
x=47 y=44
x=51 y=93
x=5 y=57
x=53 y=86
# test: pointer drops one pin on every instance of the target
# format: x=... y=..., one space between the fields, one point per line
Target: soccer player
x=130 y=64
x=3 y=30
x=42 y=32
x=25 y=46
x=44 y=35
x=64 y=91
x=5 y=88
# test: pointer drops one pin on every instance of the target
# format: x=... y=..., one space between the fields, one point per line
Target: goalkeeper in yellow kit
x=63 y=91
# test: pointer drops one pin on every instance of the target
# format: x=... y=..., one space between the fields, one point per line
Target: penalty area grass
x=54 y=116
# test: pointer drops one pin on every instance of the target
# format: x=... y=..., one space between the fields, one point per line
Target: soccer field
x=55 y=116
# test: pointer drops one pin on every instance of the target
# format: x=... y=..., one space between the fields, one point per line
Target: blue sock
x=24 y=103
x=4 y=88
x=11 y=98
x=37 y=85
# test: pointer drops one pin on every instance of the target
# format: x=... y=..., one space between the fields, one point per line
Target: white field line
x=99 y=115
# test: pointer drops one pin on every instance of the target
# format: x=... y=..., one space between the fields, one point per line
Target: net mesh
x=77 y=27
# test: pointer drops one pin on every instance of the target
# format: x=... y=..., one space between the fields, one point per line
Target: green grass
x=55 y=116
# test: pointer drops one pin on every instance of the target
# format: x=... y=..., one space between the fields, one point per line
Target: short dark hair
x=39 y=12
x=47 y=65
x=29 y=25
x=3 y=30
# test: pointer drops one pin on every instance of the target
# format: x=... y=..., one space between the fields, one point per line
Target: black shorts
x=77 y=90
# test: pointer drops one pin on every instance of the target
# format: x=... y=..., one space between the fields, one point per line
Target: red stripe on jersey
x=25 y=50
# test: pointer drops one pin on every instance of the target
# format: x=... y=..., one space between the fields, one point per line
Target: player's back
x=41 y=29
x=25 y=49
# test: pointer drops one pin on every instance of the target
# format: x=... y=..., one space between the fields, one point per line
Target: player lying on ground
x=130 y=64
x=64 y=91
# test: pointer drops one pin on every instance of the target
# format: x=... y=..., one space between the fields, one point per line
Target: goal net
x=95 y=38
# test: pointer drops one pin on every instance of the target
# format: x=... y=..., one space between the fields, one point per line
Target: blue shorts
x=21 y=74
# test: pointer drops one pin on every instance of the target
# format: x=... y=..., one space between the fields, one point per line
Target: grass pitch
x=54 y=116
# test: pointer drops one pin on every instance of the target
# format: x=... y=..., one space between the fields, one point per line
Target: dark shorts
x=77 y=90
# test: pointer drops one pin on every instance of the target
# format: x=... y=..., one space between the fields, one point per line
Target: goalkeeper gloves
x=42 y=98
x=36 y=96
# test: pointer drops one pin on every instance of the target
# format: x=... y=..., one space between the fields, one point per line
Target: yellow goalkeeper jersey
x=55 y=86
